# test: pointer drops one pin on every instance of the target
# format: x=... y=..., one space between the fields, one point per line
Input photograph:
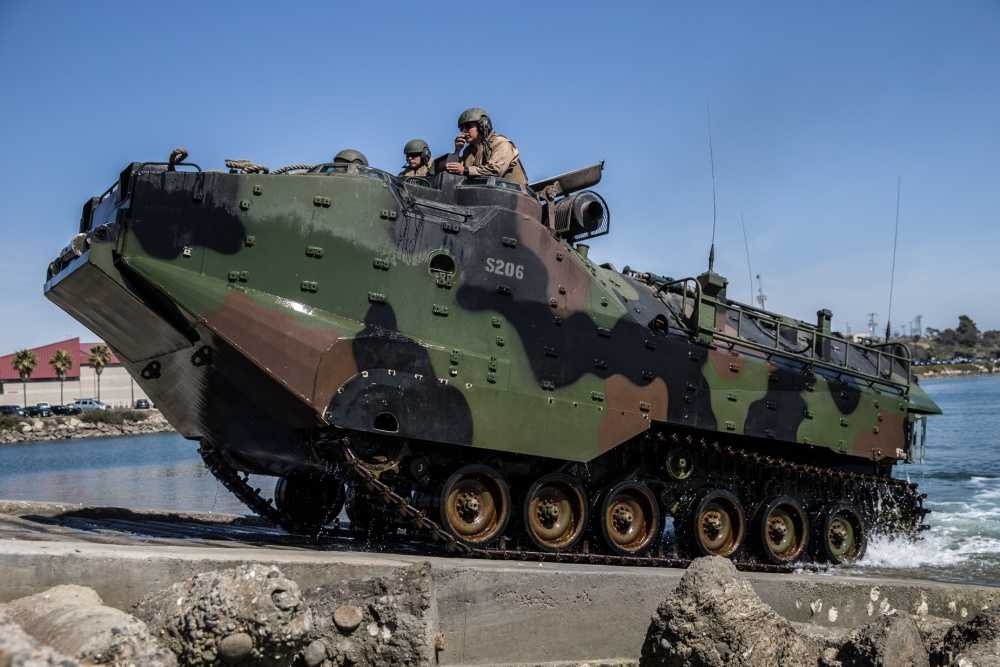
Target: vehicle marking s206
x=504 y=268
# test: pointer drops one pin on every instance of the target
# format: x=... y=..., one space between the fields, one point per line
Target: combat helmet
x=472 y=115
x=351 y=155
x=417 y=146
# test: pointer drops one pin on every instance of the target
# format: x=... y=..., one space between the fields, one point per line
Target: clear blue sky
x=816 y=108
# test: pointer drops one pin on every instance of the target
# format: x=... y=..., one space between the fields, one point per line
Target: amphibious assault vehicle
x=441 y=355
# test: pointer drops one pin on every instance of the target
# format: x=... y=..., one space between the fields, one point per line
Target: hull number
x=504 y=268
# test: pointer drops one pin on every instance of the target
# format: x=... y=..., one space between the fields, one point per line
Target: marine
x=484 y=152
x=349 y=155
x=418 y=158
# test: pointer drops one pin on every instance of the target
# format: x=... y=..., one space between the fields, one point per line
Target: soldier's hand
x=460 y=141
x=455 y=168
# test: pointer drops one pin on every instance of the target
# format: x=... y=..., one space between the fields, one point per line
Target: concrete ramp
x=490 y=612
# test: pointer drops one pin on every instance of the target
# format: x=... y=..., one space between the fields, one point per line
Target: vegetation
x=8 y=422
x=116 y=417
x=100 y=356
x=61 y=362
x=965 y=341
x=24 y=363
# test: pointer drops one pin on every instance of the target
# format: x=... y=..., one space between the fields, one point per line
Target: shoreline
x=61 y=428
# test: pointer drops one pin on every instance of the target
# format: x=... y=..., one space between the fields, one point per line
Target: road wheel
x=475 y=505
x=630 y=518
x=308 y=503
x=717 y=524
x=842 y=537
x=555 y=512
x=782 y=530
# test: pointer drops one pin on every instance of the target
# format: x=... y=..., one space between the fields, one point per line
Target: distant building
x=117 y=386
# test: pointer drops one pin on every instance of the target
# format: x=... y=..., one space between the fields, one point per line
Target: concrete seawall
x=490 y=612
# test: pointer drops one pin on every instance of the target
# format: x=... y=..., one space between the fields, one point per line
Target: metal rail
x=818 y=348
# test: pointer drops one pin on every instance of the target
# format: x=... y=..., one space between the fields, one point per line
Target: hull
x=291 y=302
x=444 y=348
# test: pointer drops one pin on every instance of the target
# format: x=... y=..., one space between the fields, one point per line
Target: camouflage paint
x=323 y=283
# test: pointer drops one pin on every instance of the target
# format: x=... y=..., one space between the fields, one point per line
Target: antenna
x=715 y=210
x=892 y=271
x=761 y=297
x=746 y=246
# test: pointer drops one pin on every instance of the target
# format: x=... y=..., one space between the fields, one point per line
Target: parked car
x=39 y=410
x=12 y=410
x=142 y=404
x=69 y=409
x=90 y=404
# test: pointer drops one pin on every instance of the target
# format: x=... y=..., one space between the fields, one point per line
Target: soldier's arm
x=503 y=154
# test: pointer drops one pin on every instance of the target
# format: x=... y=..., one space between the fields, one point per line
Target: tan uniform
x=422 y=170
x=504 y=161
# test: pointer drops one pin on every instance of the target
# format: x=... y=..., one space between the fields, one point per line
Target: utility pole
x=918 y=324
x=872 y=324
x=761 y=297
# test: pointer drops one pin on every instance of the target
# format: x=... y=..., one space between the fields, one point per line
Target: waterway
x=961 y=476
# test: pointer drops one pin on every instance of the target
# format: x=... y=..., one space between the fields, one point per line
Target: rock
x=37 y=424
x=347 y=618
x=891 y=641
x=396 y=614
x=19 y=648
x=26 y=428
x=975 y=642
x=235 y=648
x=314 y=654
x=75 y=621
x=715 y=619
x=932 y=628
x=203 y=617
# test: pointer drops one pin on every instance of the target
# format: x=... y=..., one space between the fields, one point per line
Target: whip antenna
x=746 y=246
x=892 y=270
x=715 y=210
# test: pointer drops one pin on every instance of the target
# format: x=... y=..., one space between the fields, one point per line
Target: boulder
x=975 y=642
x=891 y=641
x=74 y=620
x=19 y=648
x=390 y=620
x=715 y=619
x=249 y=615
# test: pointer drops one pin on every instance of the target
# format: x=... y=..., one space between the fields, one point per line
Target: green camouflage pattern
x=255 y=307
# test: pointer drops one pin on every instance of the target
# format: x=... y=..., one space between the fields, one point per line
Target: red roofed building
x=117 y=387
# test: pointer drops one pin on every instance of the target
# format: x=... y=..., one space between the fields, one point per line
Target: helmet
x=418 y=146
x=351 y=155
x=415 y=146
x=472 y=115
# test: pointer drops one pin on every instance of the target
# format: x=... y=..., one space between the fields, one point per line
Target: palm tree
x=24 y=363
x=100 y=355
x=61 y=362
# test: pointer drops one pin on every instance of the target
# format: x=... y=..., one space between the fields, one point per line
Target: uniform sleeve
x=503 y=154
x=469 y=158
